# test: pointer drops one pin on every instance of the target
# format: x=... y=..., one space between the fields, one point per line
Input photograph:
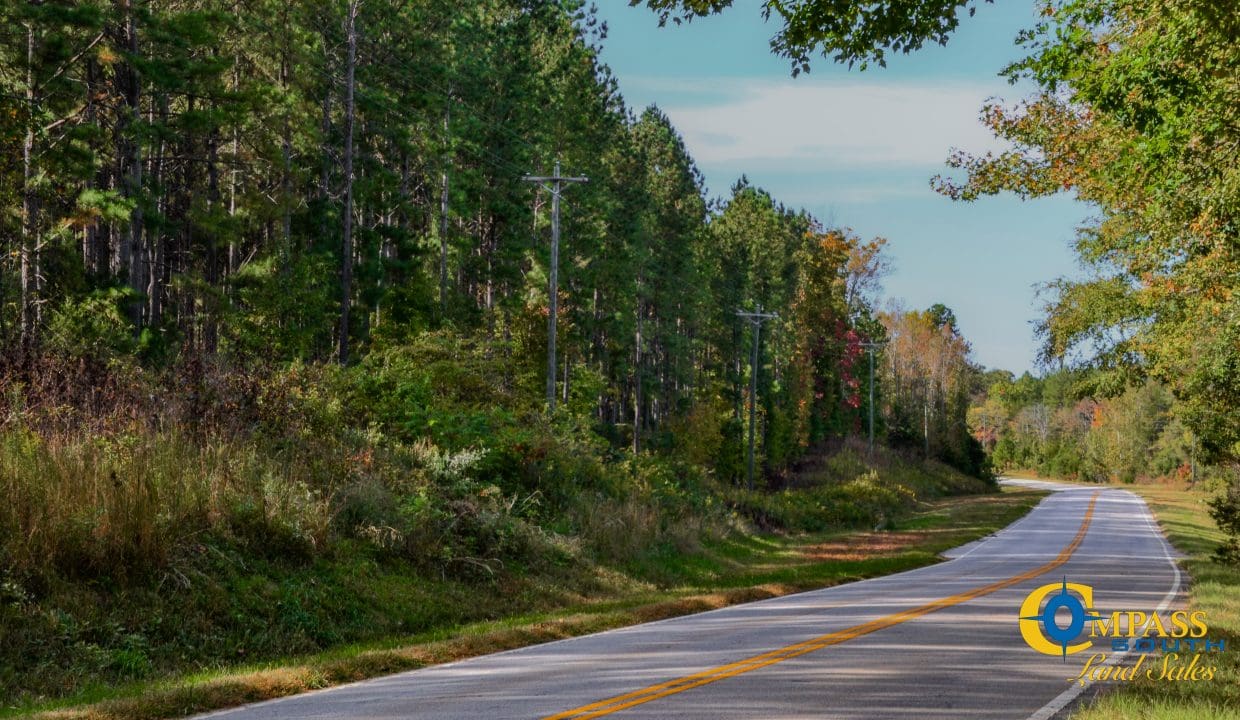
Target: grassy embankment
x=1213 y=588
x=738 y=568
x=191 y=541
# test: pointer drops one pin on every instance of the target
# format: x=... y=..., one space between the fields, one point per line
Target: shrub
x=1225 y=509
x=94 y=326
x=865 y=501
x=651 y=503
x=698 y=434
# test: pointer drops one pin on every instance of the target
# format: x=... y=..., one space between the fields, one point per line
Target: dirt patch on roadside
x=870 y=545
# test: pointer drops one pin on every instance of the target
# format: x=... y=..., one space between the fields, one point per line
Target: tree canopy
x=1137 y=111
x=847 y=31
x=301 y=182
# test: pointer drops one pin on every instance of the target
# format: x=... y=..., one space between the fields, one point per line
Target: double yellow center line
x=688 y=682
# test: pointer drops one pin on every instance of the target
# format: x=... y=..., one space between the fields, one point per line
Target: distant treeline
x=1051 y=424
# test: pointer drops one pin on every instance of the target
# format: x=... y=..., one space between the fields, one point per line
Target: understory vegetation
x=160 y=524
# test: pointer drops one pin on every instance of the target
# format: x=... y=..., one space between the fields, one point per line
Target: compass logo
x=1169 y=646
x=1044 y=631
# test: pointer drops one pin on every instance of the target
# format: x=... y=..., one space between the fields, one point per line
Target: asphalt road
x=937 y=642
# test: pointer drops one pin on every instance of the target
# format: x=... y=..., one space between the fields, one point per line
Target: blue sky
x=857 y=149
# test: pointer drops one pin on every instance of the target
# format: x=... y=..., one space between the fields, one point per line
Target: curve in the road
x=654 y=692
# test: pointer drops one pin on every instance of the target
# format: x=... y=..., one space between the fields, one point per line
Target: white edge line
x=1062 y=700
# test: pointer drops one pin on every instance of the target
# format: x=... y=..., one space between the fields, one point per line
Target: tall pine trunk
x=637 y=373
x=346 y=257
x=30 y=241
x=443 y=207
x=286 y=160
x=207 y=309
x=131 y=239
x=234 y=258
x=94 y=236
x=155 y=238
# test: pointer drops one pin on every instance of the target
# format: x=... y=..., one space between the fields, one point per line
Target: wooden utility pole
x=755 y=320
x=871 y=347
x=556 y=185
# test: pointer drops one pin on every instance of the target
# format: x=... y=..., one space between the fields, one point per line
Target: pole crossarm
x=554 y=184
x=757 y=317
x=555 y=179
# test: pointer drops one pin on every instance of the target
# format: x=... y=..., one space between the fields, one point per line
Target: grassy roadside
x=1214 y=589
x=735 y=569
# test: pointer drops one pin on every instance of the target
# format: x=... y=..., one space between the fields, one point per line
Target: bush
x=456 y=391
x=445 y=517
x=698 y=435
x=1225 y=509
x=94 y=326
x=1062 y=459
x=865 y=501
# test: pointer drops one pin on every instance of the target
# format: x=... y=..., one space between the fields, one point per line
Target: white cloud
x=810 y=194
x=836 y=123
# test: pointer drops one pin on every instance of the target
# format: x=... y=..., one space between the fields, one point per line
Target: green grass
x=1215 y=589
x=545 y=606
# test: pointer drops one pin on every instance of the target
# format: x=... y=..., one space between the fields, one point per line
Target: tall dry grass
x=118 y=506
